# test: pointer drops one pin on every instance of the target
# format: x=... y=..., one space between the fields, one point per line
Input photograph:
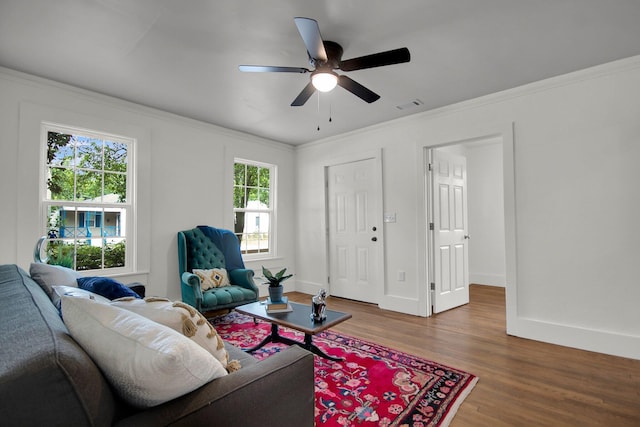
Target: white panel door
x=450 y=231
x=353 y=231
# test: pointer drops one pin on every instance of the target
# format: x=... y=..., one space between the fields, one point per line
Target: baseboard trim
x=388 y=302
x=576 y=337
x=488 y=279
x=310 y=288
x=401 y=304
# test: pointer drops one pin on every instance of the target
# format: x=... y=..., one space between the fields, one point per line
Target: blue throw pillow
x=106 y=287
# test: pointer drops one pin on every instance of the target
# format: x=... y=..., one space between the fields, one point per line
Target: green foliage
x=59 y=253
x=251 y=183
x=115 y=160
x=78 y=166
x=87 y=257
x=57 y=144
x=114 y=255
x=61 y=183
x=277 y=279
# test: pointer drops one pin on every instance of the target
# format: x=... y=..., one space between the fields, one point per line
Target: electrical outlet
x=401 y=276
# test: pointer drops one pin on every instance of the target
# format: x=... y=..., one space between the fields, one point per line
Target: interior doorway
x=477 y=243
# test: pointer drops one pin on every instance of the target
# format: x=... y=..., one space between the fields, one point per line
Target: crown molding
x=598 y=71
x=20 y=77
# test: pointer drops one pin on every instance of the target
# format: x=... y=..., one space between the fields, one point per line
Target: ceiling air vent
x=413 y=104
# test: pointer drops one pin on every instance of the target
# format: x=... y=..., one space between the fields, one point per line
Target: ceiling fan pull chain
x=330 y=120
x=318 y=111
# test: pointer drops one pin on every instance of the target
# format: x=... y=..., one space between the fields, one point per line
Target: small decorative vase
x=275 y=293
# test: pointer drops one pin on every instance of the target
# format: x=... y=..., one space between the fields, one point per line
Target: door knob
x=374 y=239
x=467 y=236
x=374 y=228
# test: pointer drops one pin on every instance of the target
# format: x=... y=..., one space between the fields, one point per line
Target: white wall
x=185 y=171
x=571 y=276
x=485 y=192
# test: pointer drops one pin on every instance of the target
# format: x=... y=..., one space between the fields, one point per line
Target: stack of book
x=282 y=306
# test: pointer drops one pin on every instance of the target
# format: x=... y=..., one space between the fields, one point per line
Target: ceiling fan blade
x=304 y=95
x=389 y=57
x=357 y=89
x=310 y=33
x=270 y=69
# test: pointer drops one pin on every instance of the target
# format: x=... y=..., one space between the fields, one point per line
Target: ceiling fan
x=325 y=57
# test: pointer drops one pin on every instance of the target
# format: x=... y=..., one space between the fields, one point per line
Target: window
x=86 y=199
x=253 y=207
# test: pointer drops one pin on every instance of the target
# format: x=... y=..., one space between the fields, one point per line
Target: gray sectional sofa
x=47 y=379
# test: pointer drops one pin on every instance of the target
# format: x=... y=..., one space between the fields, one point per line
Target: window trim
x=128 y=206
x=272 y=210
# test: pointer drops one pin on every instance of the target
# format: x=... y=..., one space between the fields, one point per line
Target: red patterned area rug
x=373 y=386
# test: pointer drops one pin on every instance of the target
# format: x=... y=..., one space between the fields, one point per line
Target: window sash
x=252 y=243
x=103 y=224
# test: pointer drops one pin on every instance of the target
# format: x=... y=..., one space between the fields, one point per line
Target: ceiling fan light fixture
x=324 y=81
x=326 y=56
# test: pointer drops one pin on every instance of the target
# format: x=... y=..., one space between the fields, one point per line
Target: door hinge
x=328 y=279
x=429 y=166
x=432 y=286
x=430 y=226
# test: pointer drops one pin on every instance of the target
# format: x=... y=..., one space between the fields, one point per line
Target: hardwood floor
x=521 y=382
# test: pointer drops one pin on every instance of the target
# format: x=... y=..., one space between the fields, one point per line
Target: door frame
x=379 y=268
x=505 y=131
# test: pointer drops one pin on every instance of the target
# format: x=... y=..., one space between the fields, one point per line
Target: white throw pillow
x=183 y=318
x=146 y=363
x=48 y=276
x=214 y=278
x=59 y=291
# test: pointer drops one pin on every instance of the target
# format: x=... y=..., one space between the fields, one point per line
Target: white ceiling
x=183 y=56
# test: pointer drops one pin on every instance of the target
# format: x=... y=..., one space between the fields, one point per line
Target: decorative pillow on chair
x=106 y=287
x=48 y=276
x=185 y=319
x=147 y=363
x=214 y=278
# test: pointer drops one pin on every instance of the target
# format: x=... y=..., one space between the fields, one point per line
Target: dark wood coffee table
x=298 y=319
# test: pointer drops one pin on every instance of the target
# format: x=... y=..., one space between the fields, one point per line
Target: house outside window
x=254 y=207
x=87 y=201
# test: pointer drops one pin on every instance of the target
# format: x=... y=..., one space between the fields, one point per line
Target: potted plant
x=275 y=282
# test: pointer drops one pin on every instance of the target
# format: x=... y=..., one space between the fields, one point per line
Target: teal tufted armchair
x=206 y=247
